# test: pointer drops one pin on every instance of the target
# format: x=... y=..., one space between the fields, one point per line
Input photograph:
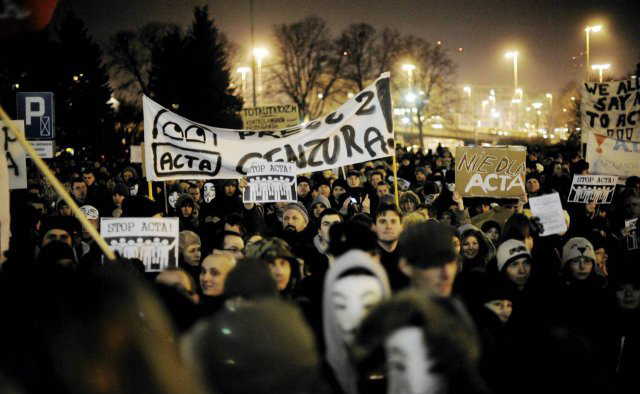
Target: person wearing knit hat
x=353 y=179
x=514 y=261
x=295 y=217
x=533 y=184
x=304 y=191
x=319 y=204
x=578 y=255
x=338 y=188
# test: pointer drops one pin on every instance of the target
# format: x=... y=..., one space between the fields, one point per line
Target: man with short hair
x=382 y=189
x=326 y=219
x=388 y=226
x=304 y=191
x=194 y=192
x=232 y=243
x=353 y=179
x=79 y=191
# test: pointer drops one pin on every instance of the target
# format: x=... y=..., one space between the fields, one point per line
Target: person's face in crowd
x=519 y=270
x=65 y=210
x=388 y=226
x=353 y=297
x=89 y=178
x=126 y=176
x=533 y=185
x=437 y=281
x=502 y=308
x=353 y=181
x=192 y=254
x=628 y=296
x=632 y=207
x=209 y=192
x=446 y=218
x=194 y=192
x=409 y=206
x=456 y=245
x=213 y=273
x=110 y=184
x=406 y=162
x=303 y=189
x=317 y=210
x=186 y=210
x=382 y=190
x=375 y=179
x=324 y=190
x=325 y=225
x=230 y=189
x=79 y=190
x=421 y=177
x=493 y=234
x=234 y=245
x=56 y=234
x=557 y=169
x=601 y=259
x=292 y=220
x=580 y=267
x=281 y=271
x=470 y=247
x=590 y=208
x=338 y=191
x=179 y=280
x=409 y=367
x=118 y=199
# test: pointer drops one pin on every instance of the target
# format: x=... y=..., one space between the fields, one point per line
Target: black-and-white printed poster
x=152 y=240
x=270 y=182
x=593 y=188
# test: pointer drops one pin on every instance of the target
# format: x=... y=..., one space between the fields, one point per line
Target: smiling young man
x=387 y=226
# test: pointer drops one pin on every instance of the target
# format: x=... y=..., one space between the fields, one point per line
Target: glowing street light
x=410 y=97
x=409 y=69
x=514 y=55
x=600 y=68
x=588 y=30
x=259 y=54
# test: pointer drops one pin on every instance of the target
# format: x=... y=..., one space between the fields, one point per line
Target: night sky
x=547 y=33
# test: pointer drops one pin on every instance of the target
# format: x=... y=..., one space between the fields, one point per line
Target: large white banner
x=360 y=130
x=612 y=109
x=610 y=156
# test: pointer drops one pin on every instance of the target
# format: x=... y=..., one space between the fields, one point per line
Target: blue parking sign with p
x=37 y=111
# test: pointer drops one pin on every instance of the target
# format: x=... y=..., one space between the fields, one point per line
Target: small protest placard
x=270 y=117
x=632 y=238
x=490 y=172
x=15 y=154
x=549 y=209
x=593 y=188
x=270 y=182
x=152 y=240
x=135 y=154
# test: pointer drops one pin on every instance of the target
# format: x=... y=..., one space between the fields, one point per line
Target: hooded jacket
x=337 y=354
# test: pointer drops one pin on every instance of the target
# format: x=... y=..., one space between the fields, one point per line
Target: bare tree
x=307 y=64
x=431 y=90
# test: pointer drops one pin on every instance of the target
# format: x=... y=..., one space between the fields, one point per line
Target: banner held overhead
x=360 y=130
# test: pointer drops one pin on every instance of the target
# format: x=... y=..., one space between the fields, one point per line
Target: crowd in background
x=340 y=291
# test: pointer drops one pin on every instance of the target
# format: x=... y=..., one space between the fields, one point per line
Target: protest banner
x=549 y=209
x=270 y=117
x=612 y=109
x=613 y=156
x=593 y=188
x=490 y=172
x=270 y=182
x=154 y=241
x=359 y=130
x=15 y=155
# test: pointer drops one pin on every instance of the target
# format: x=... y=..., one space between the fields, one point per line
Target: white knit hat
x=577 y=247
x=510 y=250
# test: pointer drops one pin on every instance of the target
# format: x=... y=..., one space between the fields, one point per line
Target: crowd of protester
x=342 y=291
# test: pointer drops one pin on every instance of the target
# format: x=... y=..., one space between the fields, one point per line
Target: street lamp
x=244 y=71
x=514 y=55
x=409 y=69
x=588 y=30
x=600 y=67
x=259 y=54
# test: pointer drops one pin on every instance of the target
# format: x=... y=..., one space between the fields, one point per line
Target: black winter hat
x=121 y=189
x=428 y=244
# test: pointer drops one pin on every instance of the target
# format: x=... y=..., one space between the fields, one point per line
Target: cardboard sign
x=154 y=241
x=15 y=155
x=549 y=209
x=135 y=154
x=270 y=117
x=613 y=156
x=593 y=188
x=490 y=172
x=612 y=109
x=360 y=130
x=270 y=182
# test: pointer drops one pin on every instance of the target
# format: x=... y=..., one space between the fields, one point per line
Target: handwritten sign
x=612 y=109
x=593 y=188
x=359 y=130
x=613 y=156
x=270 y=117
x=154 y=241
x=490 y=172
x=549 y=209
x=270 y=182
x=15 y=155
